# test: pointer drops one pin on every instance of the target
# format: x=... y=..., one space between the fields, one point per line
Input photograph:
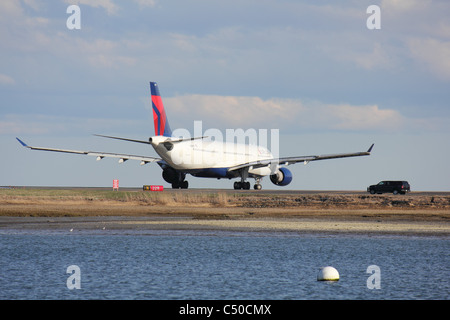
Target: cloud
x=348 y=117
x=99 y=52
x=231 y=111
x=432 y=53
x=364 y=53
x=146 y=3
x=223 y=112
x=41 y=124
x=17 y=125
x=110 y=7
x=5 y=79
x=402 y=6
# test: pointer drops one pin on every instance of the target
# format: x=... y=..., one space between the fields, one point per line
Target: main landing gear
x=245 y=185
x=180 y=185
x=241 y=185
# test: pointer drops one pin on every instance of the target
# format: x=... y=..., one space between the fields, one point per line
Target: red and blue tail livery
x=162 y=127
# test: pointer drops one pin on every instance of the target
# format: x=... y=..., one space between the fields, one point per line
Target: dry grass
x=85 y=202
x=39 y=202
x=42 y=196
x=180 y=199
x=325 y=212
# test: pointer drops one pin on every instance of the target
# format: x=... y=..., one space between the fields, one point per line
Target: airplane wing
x=305 y=159
x=99 y=155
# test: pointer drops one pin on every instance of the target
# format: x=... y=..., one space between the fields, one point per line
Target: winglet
x=22 y=143
x=370 y=149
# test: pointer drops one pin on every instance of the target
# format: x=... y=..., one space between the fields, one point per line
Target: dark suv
x=390 y=186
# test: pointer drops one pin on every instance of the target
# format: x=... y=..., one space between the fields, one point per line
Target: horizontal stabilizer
x=186 y=139
x=124 y=139
x=169 y=139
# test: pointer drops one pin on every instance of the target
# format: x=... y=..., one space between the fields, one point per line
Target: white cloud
x=233 y=111
x=433 y=54
x=36 y=5
x=348 y=117
x=379 y=56
x=110 y=7
x=13 y=15
x=17 y=125
x=5 y=79
x=98 y=53
x=402 y=6
x=40 y=124
x=364 y=53
x=146 y=3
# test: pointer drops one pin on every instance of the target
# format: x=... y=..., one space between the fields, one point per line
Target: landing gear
x=180 y=185
x=257 y=185
x=241 y=185
x=245 y=185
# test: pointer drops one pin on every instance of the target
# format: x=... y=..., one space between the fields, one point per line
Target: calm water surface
x=219 y=265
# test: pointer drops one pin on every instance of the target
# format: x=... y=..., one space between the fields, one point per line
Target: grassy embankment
x=220 y=204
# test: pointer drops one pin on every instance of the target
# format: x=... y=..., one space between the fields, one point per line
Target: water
x=219 y=265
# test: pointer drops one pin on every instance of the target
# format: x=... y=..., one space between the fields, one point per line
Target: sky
x=311 y=69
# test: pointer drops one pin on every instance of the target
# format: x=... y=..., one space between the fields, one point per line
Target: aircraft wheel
x=241 y=185
x=184 y=185
x=257 y=186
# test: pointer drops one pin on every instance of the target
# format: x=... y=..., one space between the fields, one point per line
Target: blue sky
x=313 y=70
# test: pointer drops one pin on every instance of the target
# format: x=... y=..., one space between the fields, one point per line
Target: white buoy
x=328 y=274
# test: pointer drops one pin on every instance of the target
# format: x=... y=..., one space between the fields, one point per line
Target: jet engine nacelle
x=282 y=177
x=171 y=175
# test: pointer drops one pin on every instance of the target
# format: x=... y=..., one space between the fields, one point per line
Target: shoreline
x=138 y=211
x=142 y=225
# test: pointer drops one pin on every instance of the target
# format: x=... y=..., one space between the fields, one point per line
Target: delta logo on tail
x=203 y=158
x=162 y=127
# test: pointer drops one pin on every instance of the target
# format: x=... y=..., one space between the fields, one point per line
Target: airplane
x=201 y=157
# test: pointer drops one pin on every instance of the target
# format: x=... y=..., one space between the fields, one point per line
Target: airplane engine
x=170 y=175
x=174 y=177
x=282 y=177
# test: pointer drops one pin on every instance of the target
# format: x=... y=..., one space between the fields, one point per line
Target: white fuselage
x=201 y=153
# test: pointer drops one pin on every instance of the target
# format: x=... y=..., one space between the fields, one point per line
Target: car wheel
x=372 y=191
x=395 y=192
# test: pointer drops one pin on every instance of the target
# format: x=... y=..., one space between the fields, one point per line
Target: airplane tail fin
x=162 y=127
